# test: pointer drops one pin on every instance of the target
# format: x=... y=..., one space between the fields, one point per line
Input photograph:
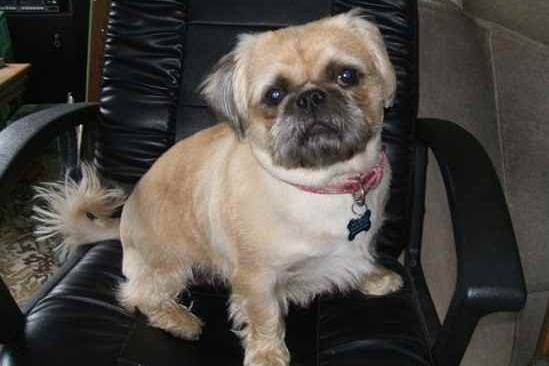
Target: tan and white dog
x=243 y=201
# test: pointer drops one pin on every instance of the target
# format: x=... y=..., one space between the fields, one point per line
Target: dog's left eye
x=347 y=77
x=274 y=96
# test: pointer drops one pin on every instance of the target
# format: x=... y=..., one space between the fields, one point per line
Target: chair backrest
x=158 y=51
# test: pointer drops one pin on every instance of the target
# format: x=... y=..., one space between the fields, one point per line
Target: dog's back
x=81 y=211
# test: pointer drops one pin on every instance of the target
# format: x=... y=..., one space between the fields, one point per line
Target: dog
x=282 y=202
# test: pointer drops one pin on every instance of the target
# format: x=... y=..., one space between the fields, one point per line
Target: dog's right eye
x=274 y=96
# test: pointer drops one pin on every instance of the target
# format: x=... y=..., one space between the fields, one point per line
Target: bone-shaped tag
x=358 y=225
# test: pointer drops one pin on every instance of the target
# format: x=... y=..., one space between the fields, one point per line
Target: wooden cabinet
x=56 y=45
x=99 y=18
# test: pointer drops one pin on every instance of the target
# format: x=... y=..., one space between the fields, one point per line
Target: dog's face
x=309 y=96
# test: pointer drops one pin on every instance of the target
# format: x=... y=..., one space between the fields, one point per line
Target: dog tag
x=358 y=225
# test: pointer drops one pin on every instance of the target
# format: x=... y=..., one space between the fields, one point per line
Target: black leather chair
x=157 y=51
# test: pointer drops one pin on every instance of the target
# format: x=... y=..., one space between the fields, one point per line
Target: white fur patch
x=309 y=252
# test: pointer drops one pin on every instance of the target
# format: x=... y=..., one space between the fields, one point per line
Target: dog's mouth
x=320 y=128
x=318 y=141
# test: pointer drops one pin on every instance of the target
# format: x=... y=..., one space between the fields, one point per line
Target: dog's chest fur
x=312 y=253
x=301 y=237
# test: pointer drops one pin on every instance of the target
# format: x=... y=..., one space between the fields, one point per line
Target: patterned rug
x=24 y=263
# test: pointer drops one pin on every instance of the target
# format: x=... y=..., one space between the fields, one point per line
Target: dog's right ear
x=225 y=88
x=219 y=91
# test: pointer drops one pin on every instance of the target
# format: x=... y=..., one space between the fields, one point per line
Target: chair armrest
x=489 y=272
x=32 y=133
x=18 y=141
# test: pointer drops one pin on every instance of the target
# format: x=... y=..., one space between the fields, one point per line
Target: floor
x=26 y=264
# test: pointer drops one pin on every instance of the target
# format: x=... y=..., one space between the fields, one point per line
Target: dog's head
x=309 y=96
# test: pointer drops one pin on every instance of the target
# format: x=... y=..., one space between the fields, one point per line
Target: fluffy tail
x=77 y=212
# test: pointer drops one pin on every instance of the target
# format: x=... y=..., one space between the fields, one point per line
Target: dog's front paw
x=382 y=283
x=267 y=356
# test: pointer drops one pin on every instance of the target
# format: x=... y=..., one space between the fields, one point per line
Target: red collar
x=367 y=181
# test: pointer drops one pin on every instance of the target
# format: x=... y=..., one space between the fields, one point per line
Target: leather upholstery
x=78 y=322
x=141 y=77
x=159 y=51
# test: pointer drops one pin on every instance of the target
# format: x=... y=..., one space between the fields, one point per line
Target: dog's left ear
x=224 y=88
x=378 y=51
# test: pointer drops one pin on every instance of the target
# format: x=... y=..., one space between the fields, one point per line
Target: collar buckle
x=359 y=198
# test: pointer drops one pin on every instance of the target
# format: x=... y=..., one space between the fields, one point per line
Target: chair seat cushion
x=78 y=322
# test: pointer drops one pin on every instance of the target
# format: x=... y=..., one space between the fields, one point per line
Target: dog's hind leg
x=153 y=289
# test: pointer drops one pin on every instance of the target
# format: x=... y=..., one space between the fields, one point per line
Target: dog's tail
x=77 y=212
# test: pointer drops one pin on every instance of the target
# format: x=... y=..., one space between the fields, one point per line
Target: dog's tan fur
x=216 y=202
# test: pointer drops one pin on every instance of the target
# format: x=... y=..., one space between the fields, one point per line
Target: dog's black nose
x=310 y=99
